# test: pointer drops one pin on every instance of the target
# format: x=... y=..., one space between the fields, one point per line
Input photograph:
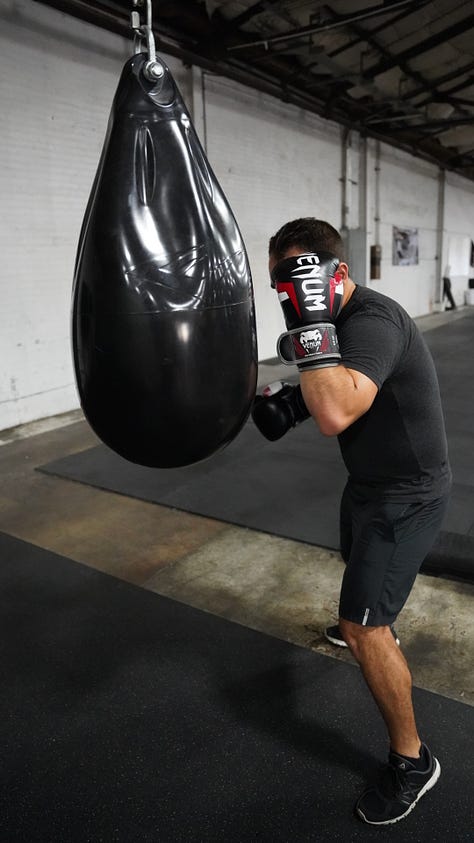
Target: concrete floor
x=285 y=588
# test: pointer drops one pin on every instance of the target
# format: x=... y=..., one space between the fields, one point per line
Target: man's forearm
x=336 y=397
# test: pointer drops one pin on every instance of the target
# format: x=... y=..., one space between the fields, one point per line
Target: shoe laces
x=394 y=782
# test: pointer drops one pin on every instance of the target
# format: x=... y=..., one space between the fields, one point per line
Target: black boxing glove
x=310 y=291
x=280 y=407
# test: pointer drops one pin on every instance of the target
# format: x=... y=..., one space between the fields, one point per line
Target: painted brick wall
x=57 y=81
x=275 y=162
x=408 y=199
x=458 y=233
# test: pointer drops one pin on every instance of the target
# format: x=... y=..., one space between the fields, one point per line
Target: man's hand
x=310 y=292
x=279 y=408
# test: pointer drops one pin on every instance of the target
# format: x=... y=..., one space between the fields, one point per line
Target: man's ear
x=343 y=271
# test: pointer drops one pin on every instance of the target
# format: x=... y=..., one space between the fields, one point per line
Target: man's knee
x=361 y=638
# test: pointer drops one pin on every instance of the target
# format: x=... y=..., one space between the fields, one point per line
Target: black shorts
x=383 y=544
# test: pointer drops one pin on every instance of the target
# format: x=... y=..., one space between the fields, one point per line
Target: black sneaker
x=333 y=634
x=400 y=787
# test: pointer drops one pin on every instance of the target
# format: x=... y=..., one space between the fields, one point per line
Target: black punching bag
x=163 y=331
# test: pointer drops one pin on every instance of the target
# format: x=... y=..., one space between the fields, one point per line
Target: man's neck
x=349 y=288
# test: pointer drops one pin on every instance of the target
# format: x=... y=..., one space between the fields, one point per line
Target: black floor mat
x=291 y=488
x=127 y=717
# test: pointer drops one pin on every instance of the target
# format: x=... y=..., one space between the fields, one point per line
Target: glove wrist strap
x=311 y=344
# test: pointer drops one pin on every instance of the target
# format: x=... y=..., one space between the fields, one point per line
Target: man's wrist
x=314 y=344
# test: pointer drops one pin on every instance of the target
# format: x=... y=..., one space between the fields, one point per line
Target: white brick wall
x=274 y=161
x=57 y=81
x=458 y=233
x=53 y=121
x=408 y=199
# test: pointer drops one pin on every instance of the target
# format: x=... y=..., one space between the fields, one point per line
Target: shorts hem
x=371 y=623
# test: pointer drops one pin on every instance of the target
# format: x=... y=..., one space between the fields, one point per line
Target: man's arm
x=311 y=289
x=336 y=397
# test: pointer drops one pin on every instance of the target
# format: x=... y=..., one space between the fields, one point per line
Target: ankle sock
x=420 y=763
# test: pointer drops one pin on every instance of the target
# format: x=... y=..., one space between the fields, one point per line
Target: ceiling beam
x=313 y=29
x=362 y=36
x=278 y=79
x=436 y=125
x=461 y=27
x=441 y=80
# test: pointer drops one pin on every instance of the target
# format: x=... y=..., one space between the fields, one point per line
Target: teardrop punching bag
x=163 y=321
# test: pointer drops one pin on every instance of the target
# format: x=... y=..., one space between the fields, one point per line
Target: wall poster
x=404 y=246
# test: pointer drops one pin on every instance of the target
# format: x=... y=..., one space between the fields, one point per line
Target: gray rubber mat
x=291 y=488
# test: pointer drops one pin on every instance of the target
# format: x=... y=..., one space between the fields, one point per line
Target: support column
x=198 y=89
x=441 y=245
x=353 y=207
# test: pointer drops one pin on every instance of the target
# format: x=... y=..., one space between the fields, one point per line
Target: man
x=366 y=376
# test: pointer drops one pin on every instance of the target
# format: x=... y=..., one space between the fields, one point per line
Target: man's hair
x=309 y=235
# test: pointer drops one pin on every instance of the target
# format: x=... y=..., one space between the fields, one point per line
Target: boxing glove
x=310 y=292
x=279 y=408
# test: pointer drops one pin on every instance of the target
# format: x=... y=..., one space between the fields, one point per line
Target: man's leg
x=412 y=769
x=390 y=540
x=389 y=679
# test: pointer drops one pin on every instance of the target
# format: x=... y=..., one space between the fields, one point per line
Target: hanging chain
x=153 y=69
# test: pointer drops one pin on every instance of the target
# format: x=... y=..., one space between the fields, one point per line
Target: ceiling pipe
x=234 y=70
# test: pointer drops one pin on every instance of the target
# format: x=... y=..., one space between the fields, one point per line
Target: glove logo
x=311 y=341
x=316 y=297
x=313 y=279
x=311 y=284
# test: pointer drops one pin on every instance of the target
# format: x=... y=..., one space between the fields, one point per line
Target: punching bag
x=163 y=321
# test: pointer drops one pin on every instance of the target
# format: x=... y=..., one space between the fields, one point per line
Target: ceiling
x=401 y=71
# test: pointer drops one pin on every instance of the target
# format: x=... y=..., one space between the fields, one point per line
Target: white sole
x=340 y=643
x=335 y=641
x=429 y=784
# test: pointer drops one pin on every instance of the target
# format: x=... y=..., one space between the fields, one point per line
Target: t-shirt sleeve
x=373 y=345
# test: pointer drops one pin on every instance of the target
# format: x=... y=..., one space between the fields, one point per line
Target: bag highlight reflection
x=163 y=321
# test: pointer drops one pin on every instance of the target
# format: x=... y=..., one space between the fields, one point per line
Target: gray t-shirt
x=398 y=448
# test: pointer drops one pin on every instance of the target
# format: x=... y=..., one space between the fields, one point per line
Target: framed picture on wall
x=404 y=246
